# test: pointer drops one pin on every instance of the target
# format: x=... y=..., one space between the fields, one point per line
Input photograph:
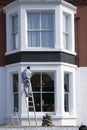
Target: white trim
x=42 y=63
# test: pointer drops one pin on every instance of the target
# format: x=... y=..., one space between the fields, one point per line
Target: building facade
x=42 y=34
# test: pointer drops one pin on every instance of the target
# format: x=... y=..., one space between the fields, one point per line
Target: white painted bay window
x=15 y=31
x=41 y=29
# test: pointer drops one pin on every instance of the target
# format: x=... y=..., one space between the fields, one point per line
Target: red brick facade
x=81 y=37
x=2 y=37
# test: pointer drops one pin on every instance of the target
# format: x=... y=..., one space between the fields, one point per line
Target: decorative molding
x=77 y=2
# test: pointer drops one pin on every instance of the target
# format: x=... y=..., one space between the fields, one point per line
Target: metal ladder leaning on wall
x=30 y=105
x=16 y=119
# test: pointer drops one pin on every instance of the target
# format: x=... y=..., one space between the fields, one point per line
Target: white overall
x=26 y=76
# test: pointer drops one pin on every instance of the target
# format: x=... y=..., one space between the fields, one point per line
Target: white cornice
x=19 y=2
x=69 y=5
x=40 y=1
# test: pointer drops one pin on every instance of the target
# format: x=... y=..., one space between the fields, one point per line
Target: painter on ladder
x=26 y=76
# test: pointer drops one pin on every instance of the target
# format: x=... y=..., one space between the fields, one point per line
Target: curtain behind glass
x=47 y=20
x=34 y=39
x=47 y=39
x=33 y=21
x=40 y=30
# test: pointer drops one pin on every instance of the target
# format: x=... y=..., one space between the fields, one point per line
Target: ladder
x=14 y=118
x=30 y=105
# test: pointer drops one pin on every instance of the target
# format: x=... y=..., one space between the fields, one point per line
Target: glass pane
x=66 y=40
x=15 y=23
x=33 y=21
x=47 y=20
x=66 y=82
x=65 y=23
x=15 y=40
x=15 y=92
x=48 y=82
x=34 y=39
x=37 y=100
x=35 y=81
x=66 y=102
x=43 y=89
x=48 y=102
x=47 y=39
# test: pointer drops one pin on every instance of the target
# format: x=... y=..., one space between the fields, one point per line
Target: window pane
x=47 y=39
x=48 y=82
x=48 y=102
x=40 y=30
x=15 y=23
x=66 y=91
x=15 y=40
x=35 y=81
x=47 y=20
x=15 y=92
x=33 y=21
x=34 y=39
x=37 y=100
x=15 y=31
x=66 y=102
x=66 y=82
x=66 y=40
x=43 y=89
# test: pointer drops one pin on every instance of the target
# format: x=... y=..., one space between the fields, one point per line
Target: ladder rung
x=30 y=95
x=30 y=101
x=31 y=106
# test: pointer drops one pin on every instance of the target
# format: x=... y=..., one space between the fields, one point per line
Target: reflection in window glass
x=43 y=90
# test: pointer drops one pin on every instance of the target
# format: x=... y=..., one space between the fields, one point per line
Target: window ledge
x=40 y=50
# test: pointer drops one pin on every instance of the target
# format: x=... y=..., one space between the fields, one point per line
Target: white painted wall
x=2 y=95
x=82 y=96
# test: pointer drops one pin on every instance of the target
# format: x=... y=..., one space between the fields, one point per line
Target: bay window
x=43 y=90
x=40 y=29
x=15 y=31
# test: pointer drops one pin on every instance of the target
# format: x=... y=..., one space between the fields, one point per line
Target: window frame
x=41 y=30
x=14 y=33
x=41 y=92
x=67 y=109
x=67 y=31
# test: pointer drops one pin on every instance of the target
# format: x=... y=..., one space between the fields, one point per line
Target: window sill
x=40 y=50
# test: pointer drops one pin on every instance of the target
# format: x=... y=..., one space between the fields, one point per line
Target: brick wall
x=3 y=2
x=2 y=37
x=81 y=37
